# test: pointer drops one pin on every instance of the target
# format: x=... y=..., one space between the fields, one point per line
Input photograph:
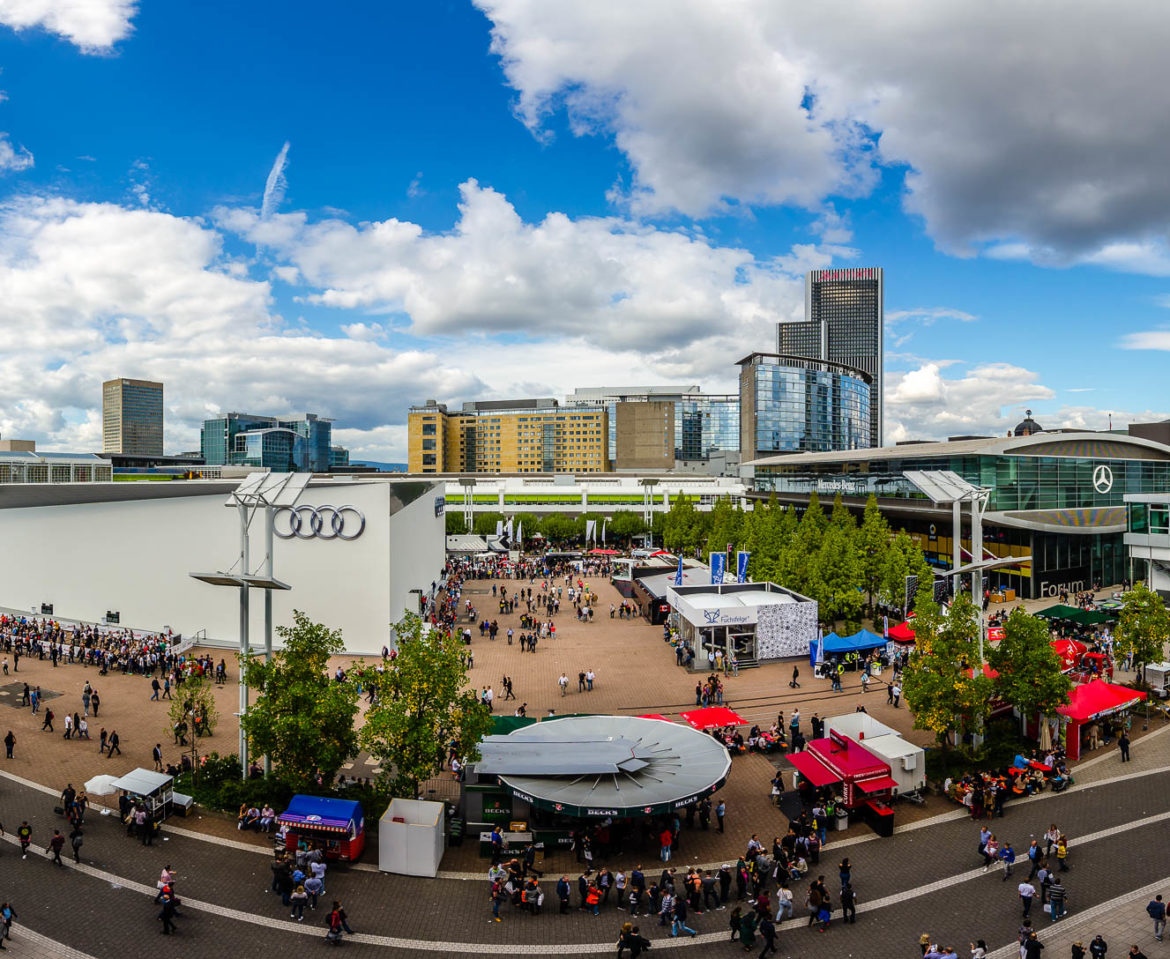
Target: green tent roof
x=1059 y=612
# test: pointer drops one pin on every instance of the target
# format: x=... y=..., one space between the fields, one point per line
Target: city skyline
x=460 y=213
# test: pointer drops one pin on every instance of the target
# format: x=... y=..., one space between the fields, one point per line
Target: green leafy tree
x=485 y=523
x=303 y=720
x=559 y=528
x=903 y=558
x=873 y=543
x=798 y=561
x=679 y=525
x=456 y=524
x=193 y=713
x=725 y=523
x=624 y=525
x=943 y=681
x=836 y=572
x=424 y=703
x=1030 y=676
x=1143 y=627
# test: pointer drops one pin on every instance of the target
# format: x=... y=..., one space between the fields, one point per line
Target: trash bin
x=880 y=818
x=842 y=818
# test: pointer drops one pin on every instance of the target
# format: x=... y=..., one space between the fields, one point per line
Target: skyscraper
x=282 y=444
x=843 y=319
x=132 y=417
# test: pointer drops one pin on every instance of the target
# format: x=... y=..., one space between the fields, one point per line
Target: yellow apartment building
x=509 y=436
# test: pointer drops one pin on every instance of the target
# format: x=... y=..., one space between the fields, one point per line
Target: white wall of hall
x=135 y=556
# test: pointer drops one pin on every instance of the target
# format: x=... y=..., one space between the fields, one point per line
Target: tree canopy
x=1030 y=676
x=423 y=705
x=303 y=720
x=1143 y=627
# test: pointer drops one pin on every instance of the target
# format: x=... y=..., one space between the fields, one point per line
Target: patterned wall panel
x=785 y=630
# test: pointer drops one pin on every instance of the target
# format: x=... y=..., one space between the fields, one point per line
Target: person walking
x=1098 y=947
x=9 y=743
x=1027 y=893
x=24 y=834
x=7 y=915
x=768 y=932
x=848 y=903
x=896 y=689
x=795 y=684
x=1157 y=911
x=167 y=915
x=48 y=723
x=720 y=812
x=156 y=754
x=1057 y=897
x=1008 y=856
x=76 y=838
x=1123 y=745
x=112 y=744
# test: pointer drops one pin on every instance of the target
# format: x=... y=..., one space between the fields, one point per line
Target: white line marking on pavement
x=1082 y=918
x=492 y=948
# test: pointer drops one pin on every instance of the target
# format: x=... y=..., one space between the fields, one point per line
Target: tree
x=526 y=524
x=423 y=704
x=193 y=712
x=456 y=524
x=1030 y=676
x=303 y=720
x=834 y=580
x=559 y=528
x=485 y=523
x=873 y=543
x=679 y=525
x=798 y=560
x=903 y=558
x=1143 y=627
x=625 y=524
x=725 y=526
x=943 y=681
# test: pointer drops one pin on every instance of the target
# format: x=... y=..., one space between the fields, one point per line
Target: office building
x=338 y=457
x=843 y=317
x=507 y=436
x=282 y=445
x=18 y=446
x=132 y=417
x=789 y=404
x=702 y=425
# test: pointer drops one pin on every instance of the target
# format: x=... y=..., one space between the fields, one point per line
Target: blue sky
x=514 y=196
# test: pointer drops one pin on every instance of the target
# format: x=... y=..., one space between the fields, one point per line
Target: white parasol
x=102 y=785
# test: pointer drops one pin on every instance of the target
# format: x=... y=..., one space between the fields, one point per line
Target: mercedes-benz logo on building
x=1102 y=479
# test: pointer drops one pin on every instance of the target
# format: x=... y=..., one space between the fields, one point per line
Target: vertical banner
x=885 y=627
x=678 y=575
x=499 y=527
x=718 y=565
x=590 y=530
x=520 y=535
x=603 y=525
x=741 y=566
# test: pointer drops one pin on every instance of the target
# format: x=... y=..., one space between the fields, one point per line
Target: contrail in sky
x=275 y=186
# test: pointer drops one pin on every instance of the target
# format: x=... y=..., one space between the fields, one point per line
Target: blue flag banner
x=678 y=575
x=718 y=565
x=741 y=566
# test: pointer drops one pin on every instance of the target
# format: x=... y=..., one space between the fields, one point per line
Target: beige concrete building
x=645 y=436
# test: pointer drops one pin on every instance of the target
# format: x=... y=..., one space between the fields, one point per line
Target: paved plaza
x=926 y=879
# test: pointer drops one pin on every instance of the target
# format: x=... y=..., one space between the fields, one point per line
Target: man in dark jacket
x=563 y=893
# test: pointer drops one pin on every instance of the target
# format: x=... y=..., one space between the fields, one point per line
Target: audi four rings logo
x=319 y=522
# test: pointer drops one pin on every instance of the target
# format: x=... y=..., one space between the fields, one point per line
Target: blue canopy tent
x=835 y=645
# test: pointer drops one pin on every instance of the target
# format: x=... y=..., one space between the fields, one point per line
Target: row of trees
x=620 y=526
x=845 y=566
x=305 y=721
x=948 y=691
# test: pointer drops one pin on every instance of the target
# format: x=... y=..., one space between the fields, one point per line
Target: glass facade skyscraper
x=790 y=404
x=844 y=314
x=282 y=445
x=132 y=417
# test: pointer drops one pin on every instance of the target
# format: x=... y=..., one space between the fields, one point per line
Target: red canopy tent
x=712 y=717
x=605 y=552
x=1070 y=652
x=654 y=716
x=1092 y=701
x=839 y=759
x=902 y=633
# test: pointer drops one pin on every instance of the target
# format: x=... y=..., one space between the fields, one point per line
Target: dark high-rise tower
x=843 y=317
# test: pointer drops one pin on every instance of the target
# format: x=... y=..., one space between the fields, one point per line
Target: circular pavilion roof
x=661 y=766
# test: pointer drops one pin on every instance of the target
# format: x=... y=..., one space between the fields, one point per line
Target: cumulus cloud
x=1043 y=133
x=618 y=283
x=987 y=399
x=13 y=159
x=91 y=25
x=90 y=291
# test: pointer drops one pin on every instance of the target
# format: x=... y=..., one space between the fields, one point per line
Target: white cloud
x=1044 y=133
x=91 y=25
x=618 y=283
x=13 y=159
x=275 y=185
x=987 y=399
x=1146 y=340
